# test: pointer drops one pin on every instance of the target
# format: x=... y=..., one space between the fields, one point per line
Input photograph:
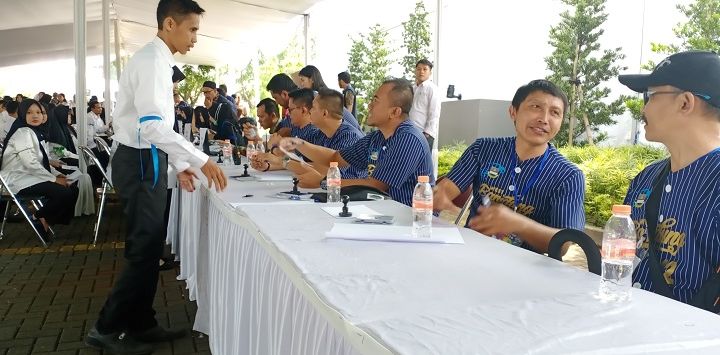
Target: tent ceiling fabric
x=229 y=29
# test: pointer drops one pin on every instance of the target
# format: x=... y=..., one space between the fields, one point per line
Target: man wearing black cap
x=676 y=202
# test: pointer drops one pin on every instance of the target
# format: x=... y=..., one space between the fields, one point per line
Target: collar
x=164 y=49
x=429 y=81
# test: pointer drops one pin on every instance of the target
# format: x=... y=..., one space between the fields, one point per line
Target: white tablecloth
x=267 y=282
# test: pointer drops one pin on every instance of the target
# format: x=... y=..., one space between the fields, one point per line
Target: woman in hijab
x=25 y=165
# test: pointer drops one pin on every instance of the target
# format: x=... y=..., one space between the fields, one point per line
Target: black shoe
x=117 y=343
x=167 y=264
x=159 y=334
x=40 y=228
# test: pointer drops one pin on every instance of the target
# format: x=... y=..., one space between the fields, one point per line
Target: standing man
x=127 y=324
x=348 y=92
x=425 y=111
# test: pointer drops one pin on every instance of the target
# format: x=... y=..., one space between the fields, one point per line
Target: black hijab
x=21 y=122
x=58 y=129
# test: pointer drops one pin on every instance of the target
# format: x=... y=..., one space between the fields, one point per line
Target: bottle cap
x=621 y=209
x=423 y=178
x=333 y=164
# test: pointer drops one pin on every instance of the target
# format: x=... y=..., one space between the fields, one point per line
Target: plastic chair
x=592 y=253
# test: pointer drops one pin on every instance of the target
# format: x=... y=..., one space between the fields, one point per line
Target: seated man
x=332 y=132
x=534 y=190
x=682 y=111
x=268 y=114
x=280 y=87
x=394 y=155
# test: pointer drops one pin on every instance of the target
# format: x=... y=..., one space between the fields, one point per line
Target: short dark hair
x=302 y=97
x=270 y=106
x=223 y=86
x=12 y=106
x=543 y=85
x=281 y=82
x=424 y=62
x=332 y=101
x=220 y=91
x=344 y=76
x=312 y=72
x=177 y=9
x=401 y=94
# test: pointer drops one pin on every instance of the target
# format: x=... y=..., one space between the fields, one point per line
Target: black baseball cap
x=210 y=85
x=694 y=71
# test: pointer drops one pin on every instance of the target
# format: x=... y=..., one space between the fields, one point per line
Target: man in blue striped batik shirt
x=394 y=155
x=682 y=111
x=530 y=190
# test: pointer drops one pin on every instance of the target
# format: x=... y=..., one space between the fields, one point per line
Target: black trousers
x=129 y=305
x=59 y=203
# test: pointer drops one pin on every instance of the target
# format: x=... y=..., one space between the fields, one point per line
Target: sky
x=487 y=48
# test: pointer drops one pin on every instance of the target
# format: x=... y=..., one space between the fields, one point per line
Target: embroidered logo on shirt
x=642 y=198
x=670 y=242
x=373 y=156
x=495 y=171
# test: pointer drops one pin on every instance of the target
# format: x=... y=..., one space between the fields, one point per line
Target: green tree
x=247 y=87
x=700 y=32
x=635 y=106
x=416 y=39
x=190 y=88
x=288 y=61
x=369 y=63
x=580 y=68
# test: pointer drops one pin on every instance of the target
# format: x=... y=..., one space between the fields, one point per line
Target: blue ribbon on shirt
x=153 y=151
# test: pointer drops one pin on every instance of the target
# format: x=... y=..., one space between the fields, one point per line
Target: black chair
x=592 y=253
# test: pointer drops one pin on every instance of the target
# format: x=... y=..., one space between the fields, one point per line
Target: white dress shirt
x=22 y=161
x=97 y=122
x=146 y=89
x=425 y=111
x=6 y=122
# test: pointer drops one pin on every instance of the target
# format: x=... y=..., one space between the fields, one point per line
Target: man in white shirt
x=425 y=111
x=94 y=118
x=7 y=118
x=127 y=323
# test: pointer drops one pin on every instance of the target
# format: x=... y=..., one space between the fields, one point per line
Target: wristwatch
x=268 y=165
x=272 y=150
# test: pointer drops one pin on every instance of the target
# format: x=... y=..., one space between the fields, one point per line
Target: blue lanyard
x=153 y=151
x=533 y=178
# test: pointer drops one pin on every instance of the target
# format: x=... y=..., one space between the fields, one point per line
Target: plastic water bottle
x=333 y=183
x=422 y=206
x=618 y=252
x=250 y=150
x=259 y=147
x=227 y=153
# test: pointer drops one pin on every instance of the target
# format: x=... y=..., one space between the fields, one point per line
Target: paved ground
x=49 y=298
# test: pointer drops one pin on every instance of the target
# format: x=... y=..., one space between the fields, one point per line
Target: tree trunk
x=573 y=100
x=588 y=131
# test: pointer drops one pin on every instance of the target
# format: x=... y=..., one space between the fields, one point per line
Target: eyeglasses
x=649 y=93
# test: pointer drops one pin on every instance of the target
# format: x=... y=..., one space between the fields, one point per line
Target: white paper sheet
x=385 y=233
x=356 y=210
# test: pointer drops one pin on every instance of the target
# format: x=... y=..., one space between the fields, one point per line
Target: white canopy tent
x=42 y=30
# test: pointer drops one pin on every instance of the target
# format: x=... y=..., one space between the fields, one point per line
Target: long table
x=266 y=281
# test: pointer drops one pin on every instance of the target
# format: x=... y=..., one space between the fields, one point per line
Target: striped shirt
x=555 y=199
x=305 y=133
x=688 y=230
x=284 y=123
x=348 y=117
x=396 y=161
x=345 y=136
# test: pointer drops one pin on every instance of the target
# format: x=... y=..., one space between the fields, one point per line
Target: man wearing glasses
x=394 y=155
x=676 y=202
